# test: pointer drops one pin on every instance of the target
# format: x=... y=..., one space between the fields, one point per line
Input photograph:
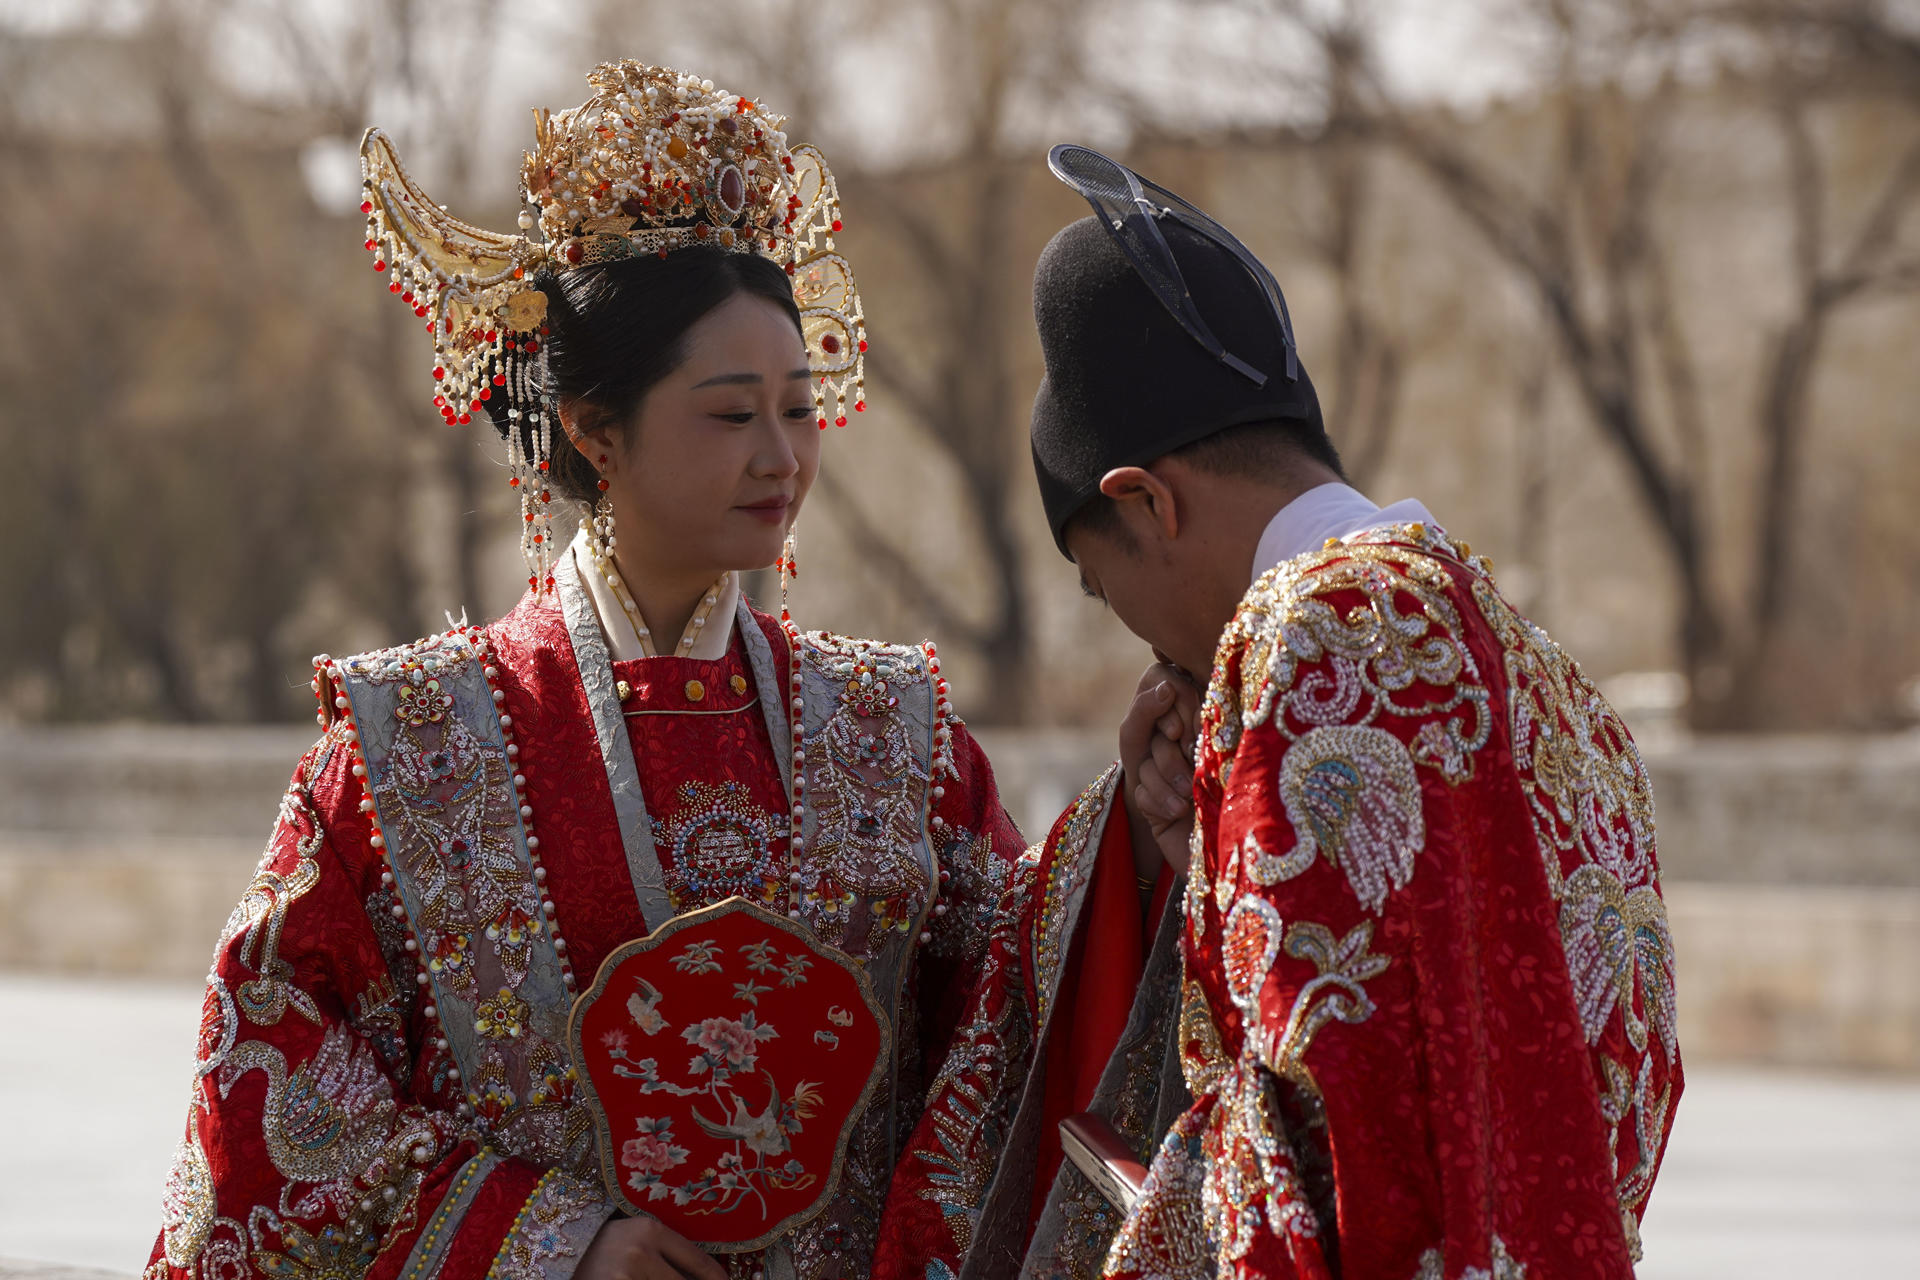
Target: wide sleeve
x=977 y=1142
x=324 y=1134
x=977 y=845
x=1391 y=1073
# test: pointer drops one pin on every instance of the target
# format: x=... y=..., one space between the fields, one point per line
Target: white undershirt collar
x=1332 y=510
x=710 y=642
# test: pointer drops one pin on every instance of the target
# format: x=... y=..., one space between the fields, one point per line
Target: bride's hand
x=645 y=1249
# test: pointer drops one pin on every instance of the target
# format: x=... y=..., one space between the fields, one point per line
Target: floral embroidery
x=326 y=1255
x=650 y=1155
x=698 y=957
x=421 y=700
x=502 y=1017
x=868 y=788
x=1382 y=660
x=559 y=1220
x=1592 y=811
x=1618 y=944
x=1433 y=1266
x=1248 y=946
x=1338 y=993
x=1350 y=793
x=726 y=1045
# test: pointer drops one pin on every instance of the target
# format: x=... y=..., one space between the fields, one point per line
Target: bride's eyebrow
x=746 y=379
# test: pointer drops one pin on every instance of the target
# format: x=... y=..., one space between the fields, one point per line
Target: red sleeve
x=977 y=845
x=322 y=1135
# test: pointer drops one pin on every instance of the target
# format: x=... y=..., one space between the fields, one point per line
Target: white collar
x=710 y=642
x=1330 y=510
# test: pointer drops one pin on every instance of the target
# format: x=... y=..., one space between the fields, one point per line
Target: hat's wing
x=1122 y=206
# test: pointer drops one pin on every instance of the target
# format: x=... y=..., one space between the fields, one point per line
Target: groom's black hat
x=1158 y=329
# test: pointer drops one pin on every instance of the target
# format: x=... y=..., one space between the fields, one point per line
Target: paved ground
x=1769 y=1175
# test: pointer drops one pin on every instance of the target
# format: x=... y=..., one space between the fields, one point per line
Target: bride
x=387 y=1082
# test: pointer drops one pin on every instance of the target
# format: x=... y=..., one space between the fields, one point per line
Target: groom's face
x=1155 y=596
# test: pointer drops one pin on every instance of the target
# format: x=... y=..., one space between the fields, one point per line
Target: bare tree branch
x=902 y=575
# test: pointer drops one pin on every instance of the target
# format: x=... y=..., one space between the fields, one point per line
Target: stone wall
x=1792 y=867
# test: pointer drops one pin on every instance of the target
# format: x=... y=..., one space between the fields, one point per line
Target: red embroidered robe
x=332 y=1132
x=1428 y=1013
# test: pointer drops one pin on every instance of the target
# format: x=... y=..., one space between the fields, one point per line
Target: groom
x=1427 y=1017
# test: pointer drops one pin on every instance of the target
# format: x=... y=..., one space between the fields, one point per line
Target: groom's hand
x=1156 y=753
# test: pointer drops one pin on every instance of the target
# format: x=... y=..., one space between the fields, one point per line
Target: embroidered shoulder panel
x=1303 y=653
x=875 y=738
x=442 y=778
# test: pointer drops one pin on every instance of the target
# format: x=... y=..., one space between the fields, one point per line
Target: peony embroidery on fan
x=701 y=1123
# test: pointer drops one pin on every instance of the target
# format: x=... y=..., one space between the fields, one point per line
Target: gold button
x=624 y=689
x=739 y=684
x=695 y=691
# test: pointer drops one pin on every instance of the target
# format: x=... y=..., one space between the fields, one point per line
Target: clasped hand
x=1156 y=752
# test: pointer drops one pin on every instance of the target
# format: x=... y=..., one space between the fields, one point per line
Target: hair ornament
x=656 y=160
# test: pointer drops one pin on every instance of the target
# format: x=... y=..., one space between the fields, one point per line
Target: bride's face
x=723 y=451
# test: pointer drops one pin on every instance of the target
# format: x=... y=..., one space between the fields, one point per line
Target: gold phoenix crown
x=654 y=161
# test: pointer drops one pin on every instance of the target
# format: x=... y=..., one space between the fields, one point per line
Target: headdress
x=654 y=161
x=1158 y=328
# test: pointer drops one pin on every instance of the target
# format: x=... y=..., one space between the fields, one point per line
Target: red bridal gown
x=383 y=1086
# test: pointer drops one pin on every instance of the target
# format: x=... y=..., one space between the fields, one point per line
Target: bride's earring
x=600 y=532
x=789 y=570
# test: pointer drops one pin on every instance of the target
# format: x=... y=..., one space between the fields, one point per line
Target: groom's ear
x=1144 y=502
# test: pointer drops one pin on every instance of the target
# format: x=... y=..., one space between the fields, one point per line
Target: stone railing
x=1792 y=867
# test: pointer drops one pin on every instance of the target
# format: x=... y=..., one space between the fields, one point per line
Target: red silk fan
x=725 y=1057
